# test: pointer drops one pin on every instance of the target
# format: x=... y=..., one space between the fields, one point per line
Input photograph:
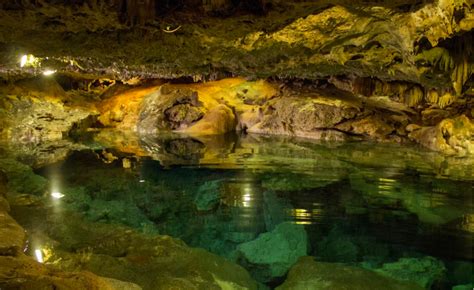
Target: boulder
x=208 y=195
x=13 y=236
x=425 y=272
x=464 y=287
x=219 y=120
x=21 y=178
x=304 y=116
x=308 y=274
x=338 y=247
x=24 y=273
x=29 y=119
x=169 y=108
x=272 y=254
x=431 y=116
x=373 y=126
x=148 y=260
x=450 y=136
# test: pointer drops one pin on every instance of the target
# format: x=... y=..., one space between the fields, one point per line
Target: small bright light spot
x=39 y=255
x=142 y=180
x=23 y=60
x=57 y=195
x=48 y=72
x=247 y=197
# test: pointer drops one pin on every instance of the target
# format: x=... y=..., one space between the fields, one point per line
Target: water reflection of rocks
x=359 y=206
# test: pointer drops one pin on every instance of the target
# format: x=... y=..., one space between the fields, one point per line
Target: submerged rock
x=338 y=247
x=464 y=287
x=308 y=274
x=208 y=195
x=425 y=272
x=272 y=254
x=149 y=260
x=21 y=178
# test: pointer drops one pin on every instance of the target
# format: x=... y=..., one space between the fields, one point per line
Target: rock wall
x=309 y=111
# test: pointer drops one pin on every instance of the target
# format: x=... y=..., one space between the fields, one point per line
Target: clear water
x=363 y=204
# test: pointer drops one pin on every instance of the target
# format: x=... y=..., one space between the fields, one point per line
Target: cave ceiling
x=424 y=42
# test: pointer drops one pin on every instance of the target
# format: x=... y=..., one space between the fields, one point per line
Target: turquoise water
x=362 y=204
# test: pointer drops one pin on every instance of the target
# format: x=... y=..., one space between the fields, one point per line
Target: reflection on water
x=360 y=203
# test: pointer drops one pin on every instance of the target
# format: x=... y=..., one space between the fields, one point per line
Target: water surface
x=363 y=204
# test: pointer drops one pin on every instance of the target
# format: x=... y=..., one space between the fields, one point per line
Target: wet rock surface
x=13 y=236
x=450 y=136
x=309 y=274
x=169 y=109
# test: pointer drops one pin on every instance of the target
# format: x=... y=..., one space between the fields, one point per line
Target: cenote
x=236 y=144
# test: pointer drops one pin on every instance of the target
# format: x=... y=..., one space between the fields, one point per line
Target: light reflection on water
x=402 y=199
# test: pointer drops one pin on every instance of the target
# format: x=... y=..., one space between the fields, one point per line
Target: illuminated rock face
x=169 y=109
x=451 y=136
x=425 y=43
x=357 y=69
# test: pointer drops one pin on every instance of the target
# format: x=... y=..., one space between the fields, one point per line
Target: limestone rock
x=13 y=236
x=3 y=183
x=450 y=136
x=338 y=247
x=120 y=285
x=24 y=273
x=34 y=119
x=21 y=178
x=308 y=274
x=425 y=272
x=169 y=109
x=4 y=206
x=302 y=116
x=463 y=287
x=373 y=126
x=431 y=117
x=208 y=195
x=314 y=40
x=273 y=253
x=169 y=263
x=249 y=118
x=218 y=120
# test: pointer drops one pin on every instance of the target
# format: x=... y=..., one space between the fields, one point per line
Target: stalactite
x=446 y=99
x=135 y=12
x=453 y=57
x=414 y=96
x=432 y=96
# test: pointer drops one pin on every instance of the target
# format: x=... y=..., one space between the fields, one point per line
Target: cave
x=236 y=144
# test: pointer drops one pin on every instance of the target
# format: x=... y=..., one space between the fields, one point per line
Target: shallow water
x=363 y=204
